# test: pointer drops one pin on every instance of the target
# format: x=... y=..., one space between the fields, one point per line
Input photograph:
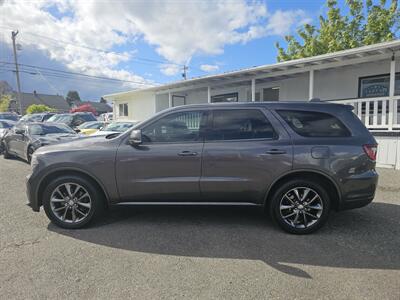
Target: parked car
x=115 y=127
x=298 y=160
x=73 y=120
x=9 y=116
x=5 y=125
x=40 y=117
x=89 y=128
x=25 y=138
x=106 y=117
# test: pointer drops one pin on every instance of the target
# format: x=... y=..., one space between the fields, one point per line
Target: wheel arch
x=70 y=171
x=314 y=175
x=28 y=146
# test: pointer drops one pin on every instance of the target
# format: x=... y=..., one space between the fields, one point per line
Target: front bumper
x=31 y=193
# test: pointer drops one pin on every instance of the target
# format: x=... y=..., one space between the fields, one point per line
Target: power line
x=77 y=74
x=93 y=48
x=88 y=81
x=100 y=50
x=137 y=58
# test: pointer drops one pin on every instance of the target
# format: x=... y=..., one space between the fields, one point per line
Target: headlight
x=38 y=143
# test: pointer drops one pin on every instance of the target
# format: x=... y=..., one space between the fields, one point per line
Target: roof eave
x=386 y=46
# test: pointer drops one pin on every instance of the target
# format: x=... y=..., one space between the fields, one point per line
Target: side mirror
x=19 y=131
x=135 y=137
x=77 y=130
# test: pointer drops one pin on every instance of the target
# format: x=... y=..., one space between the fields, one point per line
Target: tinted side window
x=46 y=117
x=240 y=124
x=177 y=127
x=88 y=117
x=77 y=120
x=314 y=124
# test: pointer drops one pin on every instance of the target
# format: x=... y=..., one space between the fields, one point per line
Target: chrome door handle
x=275 y=151
x=187 y=153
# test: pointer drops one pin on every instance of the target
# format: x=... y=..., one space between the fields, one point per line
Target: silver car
x=298 y=160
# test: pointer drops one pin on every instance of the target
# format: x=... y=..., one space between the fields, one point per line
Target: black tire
x=29 y=154
x=6 y=154
x=96 y=198
x=320 y=206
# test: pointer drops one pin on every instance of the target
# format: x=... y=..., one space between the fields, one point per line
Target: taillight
x=371 y=150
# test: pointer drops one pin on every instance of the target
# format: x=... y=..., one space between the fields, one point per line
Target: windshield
x=60 y=118
x=44 y=129
x=119 y=126
x=31 y=118
x=11 y=117
x=6 y=124
x=91 y=125
x=87 y=117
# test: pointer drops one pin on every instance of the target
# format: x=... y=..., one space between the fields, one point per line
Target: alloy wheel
x=70 y=203
x=301 y=207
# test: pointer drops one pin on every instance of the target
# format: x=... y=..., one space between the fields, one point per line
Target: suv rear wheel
x=72 y=201
x=300 y=206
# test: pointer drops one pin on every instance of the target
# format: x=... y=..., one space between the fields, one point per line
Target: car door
x=15 y=140
x=245 y=150
x=167 y=165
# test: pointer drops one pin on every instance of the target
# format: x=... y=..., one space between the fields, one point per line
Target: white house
x=367 y=78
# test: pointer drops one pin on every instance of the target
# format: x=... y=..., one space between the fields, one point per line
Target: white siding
x=140 y=106
x=343 y=83
x=388 y=152
x=161 y=102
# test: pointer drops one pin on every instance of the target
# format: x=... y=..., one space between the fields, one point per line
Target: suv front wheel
x=300 y=206
x=72 y=201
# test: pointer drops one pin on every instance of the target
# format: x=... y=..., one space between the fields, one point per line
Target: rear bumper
x=358 y=190
x=355 y=203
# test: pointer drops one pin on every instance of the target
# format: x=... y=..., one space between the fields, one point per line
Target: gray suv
x=298 y=160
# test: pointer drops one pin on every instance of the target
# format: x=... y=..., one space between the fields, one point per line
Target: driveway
x=197 y=252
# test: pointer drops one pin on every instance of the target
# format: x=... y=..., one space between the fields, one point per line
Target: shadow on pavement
x=368 y=238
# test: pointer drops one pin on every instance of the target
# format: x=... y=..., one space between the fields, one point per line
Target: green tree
x=38 y=108
x=365 y=23
x=73 y=98
x=5 y=102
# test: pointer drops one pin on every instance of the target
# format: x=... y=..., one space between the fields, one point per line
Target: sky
x=141 y=43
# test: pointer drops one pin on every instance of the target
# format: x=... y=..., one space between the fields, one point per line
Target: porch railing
x=380 y=114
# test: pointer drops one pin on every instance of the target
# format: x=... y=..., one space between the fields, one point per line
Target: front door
x=167 y=165
x=244 y=152
x=16 y=140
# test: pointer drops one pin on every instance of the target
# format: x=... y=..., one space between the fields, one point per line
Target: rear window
x=88 y=117
x=314 y=124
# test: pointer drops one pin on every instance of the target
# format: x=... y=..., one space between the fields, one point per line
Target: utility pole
x=184 y=74
x=13 y=36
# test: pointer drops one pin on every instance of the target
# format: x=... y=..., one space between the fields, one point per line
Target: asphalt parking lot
x=197 y=253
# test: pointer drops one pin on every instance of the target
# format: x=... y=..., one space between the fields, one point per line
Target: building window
x=232 y=97
x=123 y=110
x=178 y=100
x=377 y=86
x=271 y=94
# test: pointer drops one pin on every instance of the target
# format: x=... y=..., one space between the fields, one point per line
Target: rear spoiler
x=349 y=107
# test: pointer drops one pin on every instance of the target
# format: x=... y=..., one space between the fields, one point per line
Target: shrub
x=5 y=103
x=38 y=108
